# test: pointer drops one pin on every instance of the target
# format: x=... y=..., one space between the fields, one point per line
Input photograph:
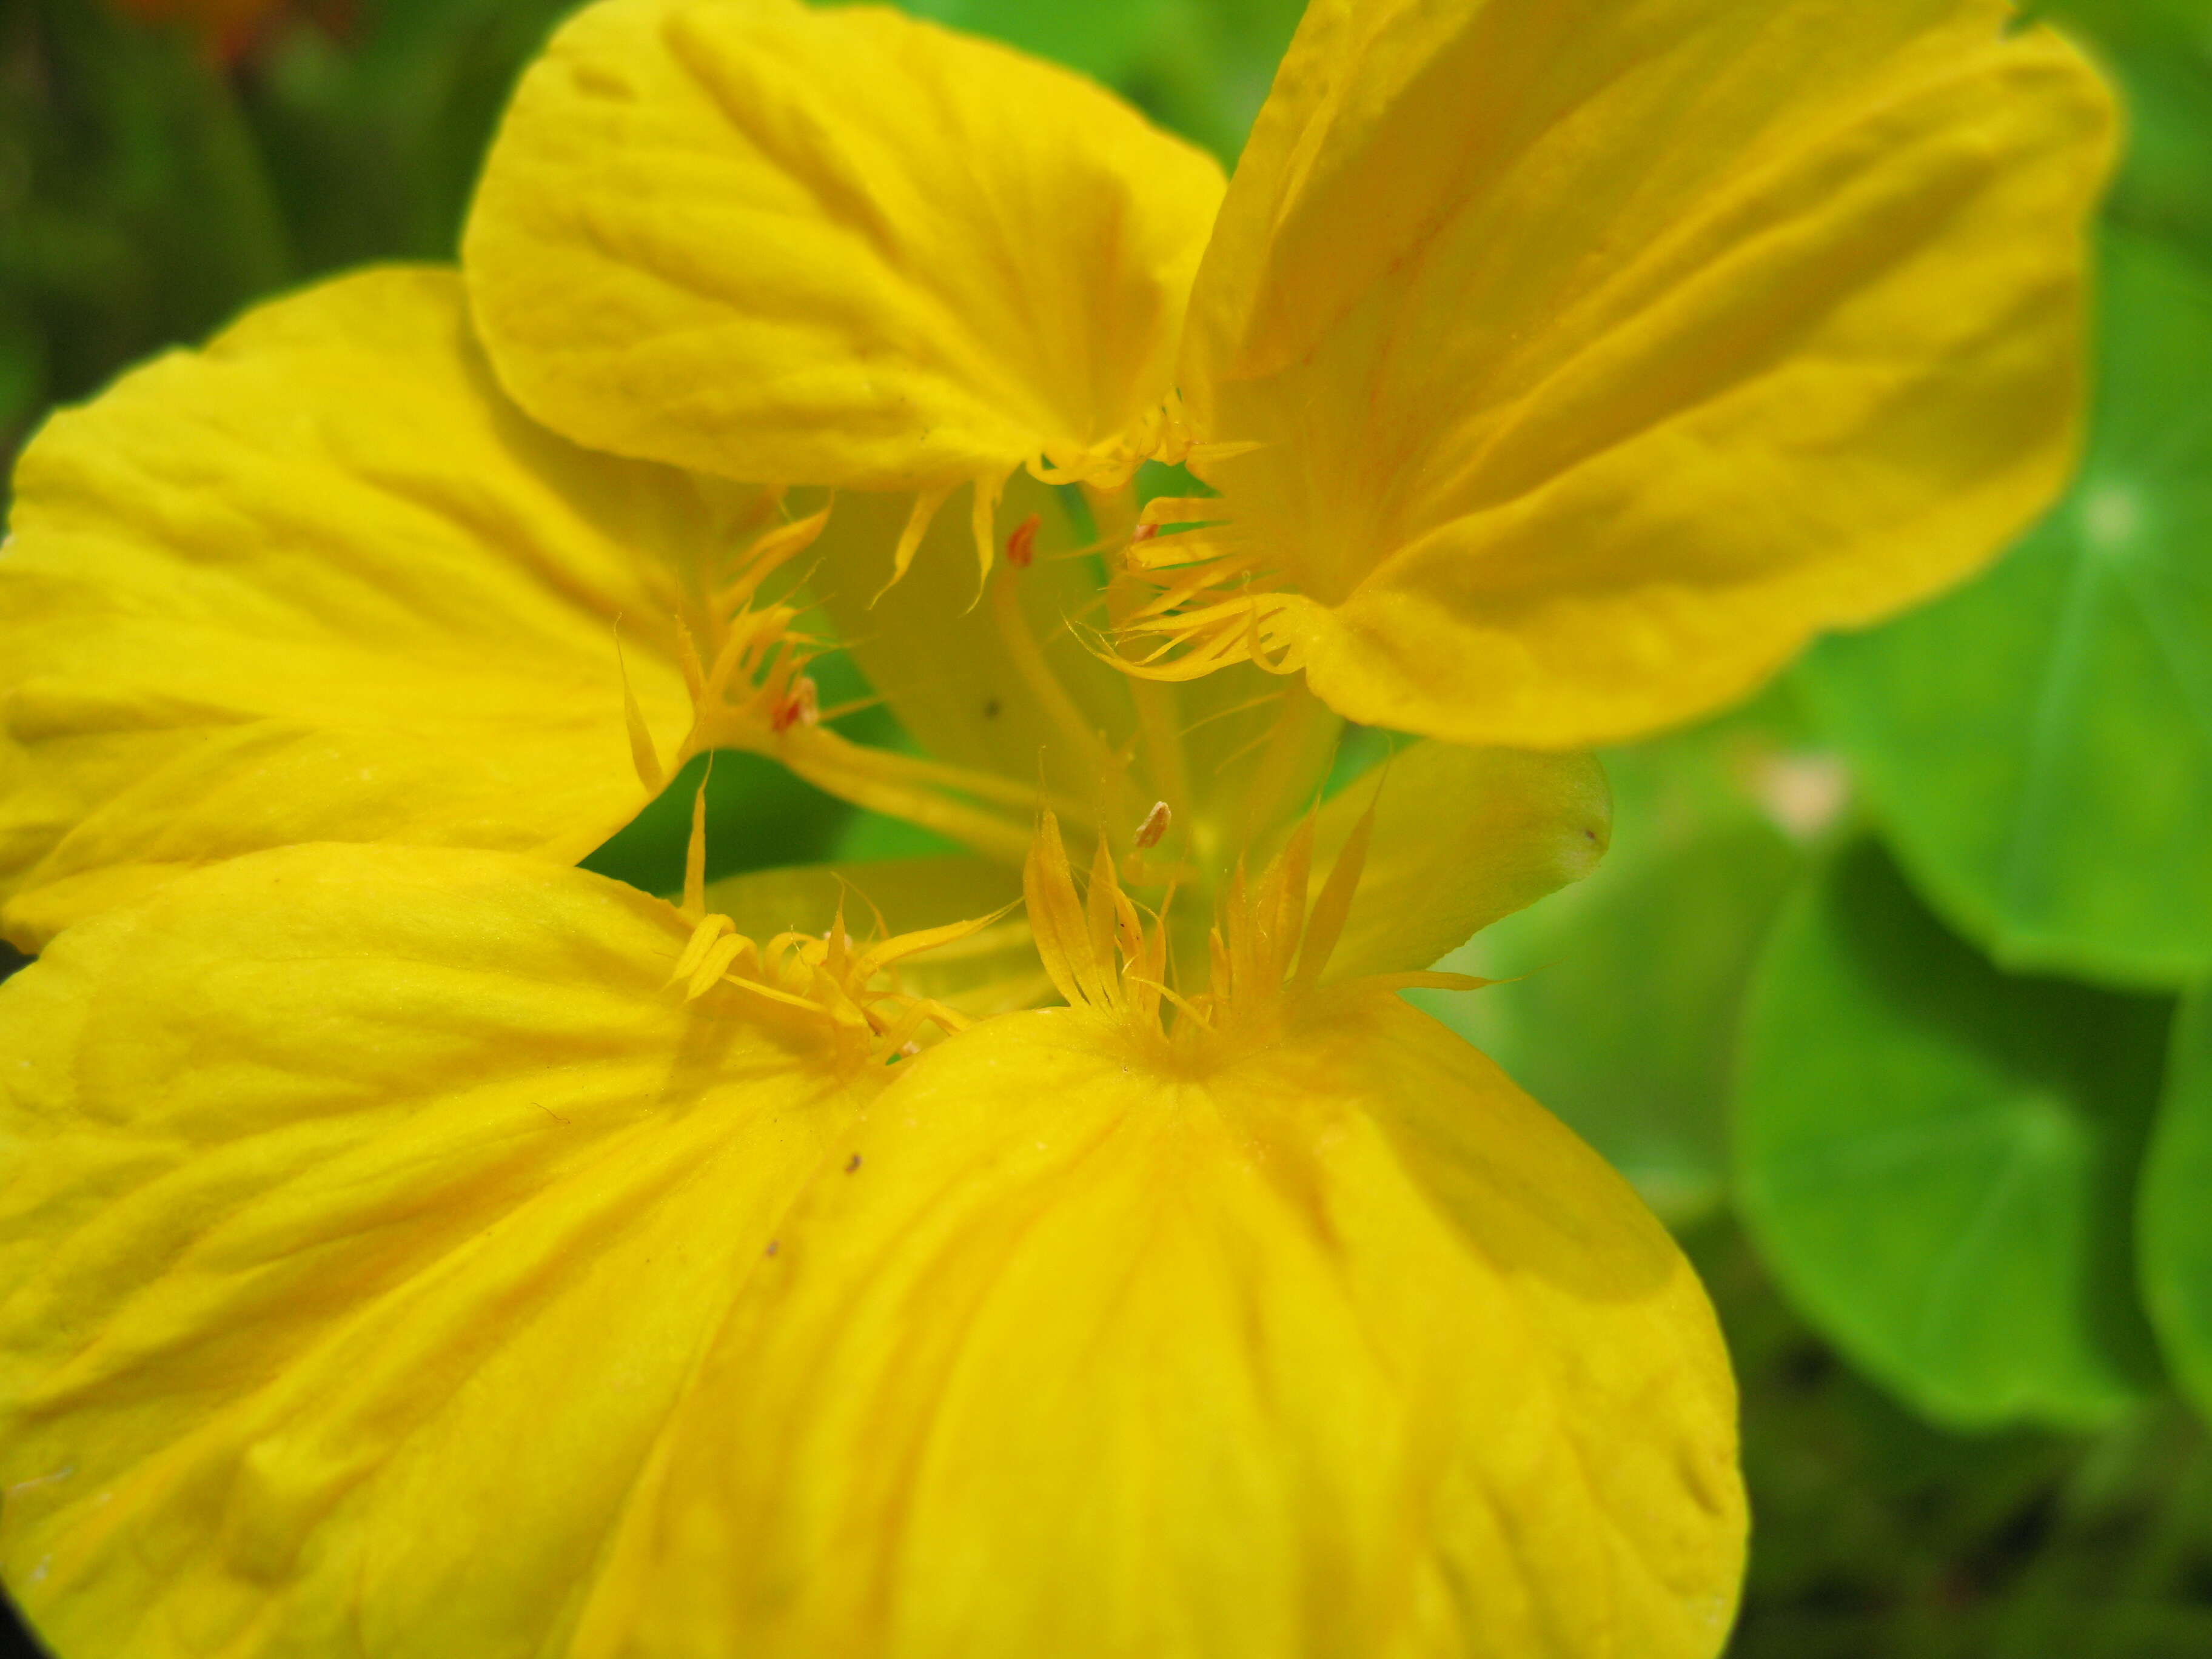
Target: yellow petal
x=319 y=582
x=363 y=1211
x=1597 y=354
x=1461 y=837
x=840 y=247
x=1342 y=1347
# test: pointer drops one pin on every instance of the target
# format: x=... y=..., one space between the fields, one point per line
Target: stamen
x=983 y=519
x=1089 y=747
x=714 y=964
x=1161 y=434
x=1268 y=947
x=695 y=850
x=753 y=689
x=911 y=787
x=802 y=706
x=702 y=937
x=1163 y=735
x=1293 y=736
x=1217 y=599
x=1057 y=919
x=852 y=992
x=925 y=504
x=687 y=657
x=642 y=752
x=1164 y=510
x=768 y=553
x=1154 y=827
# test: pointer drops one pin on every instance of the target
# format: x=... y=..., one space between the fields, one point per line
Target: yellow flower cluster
x=412 y=1245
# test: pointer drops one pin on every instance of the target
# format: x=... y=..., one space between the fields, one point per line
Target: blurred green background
x=1886 y=995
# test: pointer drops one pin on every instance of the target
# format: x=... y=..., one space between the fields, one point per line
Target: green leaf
x=2039 y=744
x=1199 y=67
x=759 y=816
x=1622 y=992
x=22 y=380
x=1104 y=39
x=2165 y=185
x=2175 y=1230
x=1937 y=1160
x=2159 y=53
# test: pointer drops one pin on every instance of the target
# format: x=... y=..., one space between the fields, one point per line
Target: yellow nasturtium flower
x=412 y=1245
x=422 y=1249
x=1561 y=366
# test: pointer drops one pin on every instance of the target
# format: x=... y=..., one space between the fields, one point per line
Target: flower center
x=1268 y=944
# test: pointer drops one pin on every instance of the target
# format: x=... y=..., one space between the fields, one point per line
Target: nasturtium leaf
x=1938 y=1159
x=2165 y=188
x=1621 y=993
x=1199 y=67
x=2159 y=53
x=2039 y=744
x=1105 y=39
x=2175 y=1217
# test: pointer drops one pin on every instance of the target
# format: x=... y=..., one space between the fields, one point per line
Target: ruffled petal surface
x=320 y=581
x=1336 y=1345
x=1598 y=352
x=837 y=246
x=363 y=1214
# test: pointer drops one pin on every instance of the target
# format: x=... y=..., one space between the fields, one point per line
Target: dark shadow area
x=15 y=1641
x=1875 y=1535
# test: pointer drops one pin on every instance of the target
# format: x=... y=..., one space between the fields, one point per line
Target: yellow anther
x=703 y=938
x=851 y=988
x=1266 y=948
x=716 y=962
